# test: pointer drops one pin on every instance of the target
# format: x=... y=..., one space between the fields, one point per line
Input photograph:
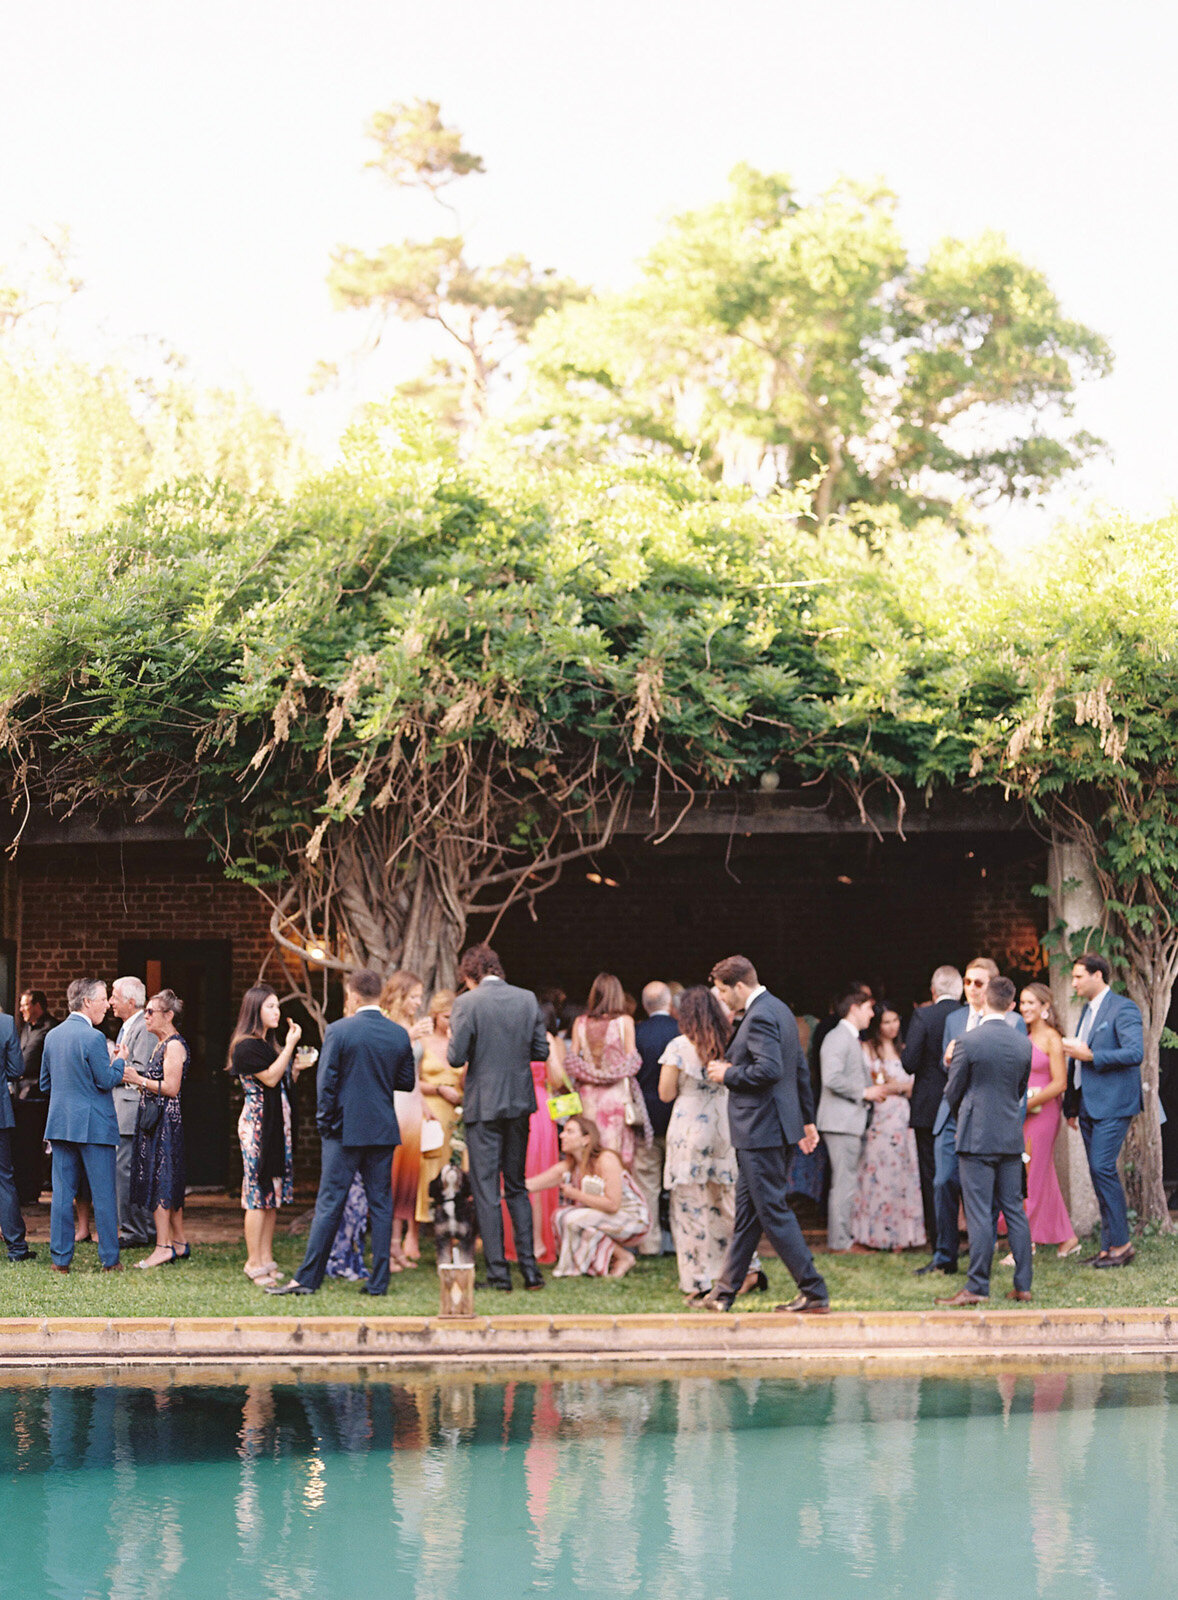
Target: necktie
x=972 y=1020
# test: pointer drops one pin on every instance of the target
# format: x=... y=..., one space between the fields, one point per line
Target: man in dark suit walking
x=1104 y=1092
x=496 y=1032
x=770 y=1106
x=12 y=1224
x=923 y=1059
x=987 y=1083
x=365 y=1057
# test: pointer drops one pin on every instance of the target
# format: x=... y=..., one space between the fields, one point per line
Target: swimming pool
x=1050 y=1483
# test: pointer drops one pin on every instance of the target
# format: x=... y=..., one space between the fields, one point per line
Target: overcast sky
x=207 y=156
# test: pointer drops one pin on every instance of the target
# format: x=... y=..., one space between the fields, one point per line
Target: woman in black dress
x=264 y=1127
x=157 y=1162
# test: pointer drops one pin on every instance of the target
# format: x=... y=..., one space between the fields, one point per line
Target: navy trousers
x=12 y=1224
x=498 y=1150
x=761 y=1207
x=339 y=1165
x=1103 y=1138
x=990 y=1184
x=97 y=1162
x=946 y=1195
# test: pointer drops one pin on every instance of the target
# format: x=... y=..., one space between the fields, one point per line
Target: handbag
x=631 y=1110
x=151 y=1110
x=562 y=1106
x=433 y=1136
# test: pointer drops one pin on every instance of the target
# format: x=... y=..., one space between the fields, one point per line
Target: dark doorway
x=198 y=970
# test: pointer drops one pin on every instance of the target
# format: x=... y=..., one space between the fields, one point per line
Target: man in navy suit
x=947 y=1179
x=12 y=1066
x=1104 y=1090
x=770 y=1106
x=365 y=1058
x=77 y=1074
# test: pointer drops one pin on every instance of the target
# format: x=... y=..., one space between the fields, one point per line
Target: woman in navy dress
x=157 y=1162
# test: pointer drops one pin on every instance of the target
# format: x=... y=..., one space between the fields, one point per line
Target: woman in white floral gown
x=887 y=1213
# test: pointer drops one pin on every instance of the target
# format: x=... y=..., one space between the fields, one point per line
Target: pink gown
x=543 y=1152
x=1050 y=1223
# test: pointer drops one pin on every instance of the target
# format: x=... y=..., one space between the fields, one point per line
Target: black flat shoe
x=1111 y=1260
x=494 y=1283
x=759 y=1284
x=806 y=1304
x=932 y=1266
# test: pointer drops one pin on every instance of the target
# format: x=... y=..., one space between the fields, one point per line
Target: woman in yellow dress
x=400 y=999
x=441 y=1089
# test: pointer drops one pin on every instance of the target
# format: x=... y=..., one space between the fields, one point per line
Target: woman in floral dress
x=603 y=1064
x=602 y=1211
x=888 y=1214
x=700 y=1170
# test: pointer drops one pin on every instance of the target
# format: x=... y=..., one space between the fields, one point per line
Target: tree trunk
x=1141 y=1161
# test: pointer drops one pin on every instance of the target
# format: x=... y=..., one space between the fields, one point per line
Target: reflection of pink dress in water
x=1050 y=1223
x=543 y=1152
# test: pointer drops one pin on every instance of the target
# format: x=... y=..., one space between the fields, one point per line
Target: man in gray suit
x=987 y=1081
x=847 y=1092
x=134 y=1045
x=496 y=1032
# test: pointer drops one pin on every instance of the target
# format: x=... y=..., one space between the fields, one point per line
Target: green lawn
x=212 y=1284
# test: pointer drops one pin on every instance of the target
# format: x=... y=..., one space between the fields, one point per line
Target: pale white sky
x=208 y=156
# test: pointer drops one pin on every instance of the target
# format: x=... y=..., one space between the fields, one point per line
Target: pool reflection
x=683 y=1489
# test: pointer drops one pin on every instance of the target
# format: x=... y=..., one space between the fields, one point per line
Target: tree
x=782 y=340
x=418 y=690
x=485 y=312
x=1074 y=688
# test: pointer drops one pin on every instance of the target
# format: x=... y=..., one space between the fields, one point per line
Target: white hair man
x=134 y=1044
x=651 y=1038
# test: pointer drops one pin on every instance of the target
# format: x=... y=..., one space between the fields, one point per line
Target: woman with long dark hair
x=158 y=1176
x=603 y=1064
x=601 y=1210
x=700 y=1170
x=267 y=1075
x=887 y=1213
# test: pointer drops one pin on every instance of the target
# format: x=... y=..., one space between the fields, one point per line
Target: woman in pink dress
x=603 y=1065
x=1050 y=1223
x=543 y=1149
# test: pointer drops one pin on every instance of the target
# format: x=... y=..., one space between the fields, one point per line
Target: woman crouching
x=601 y=1210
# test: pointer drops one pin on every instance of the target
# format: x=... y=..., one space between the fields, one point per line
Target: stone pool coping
x=842 y=1337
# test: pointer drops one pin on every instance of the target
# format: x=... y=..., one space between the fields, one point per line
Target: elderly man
x=134 y=1045
x=78 y=1075
x=651 y=1038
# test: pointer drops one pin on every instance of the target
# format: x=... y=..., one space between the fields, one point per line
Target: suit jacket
x=845 y=1075
x=987 y=1082
x=12 y=1066
x=496 y=1032
x=140 y=1045
x=924 y=1059
x=32 y=1043
x=1110 y=1084
x=768 y=1081
x=78 y=1075
x=651 y=1038
x=955 y=1028
x=364 y=1059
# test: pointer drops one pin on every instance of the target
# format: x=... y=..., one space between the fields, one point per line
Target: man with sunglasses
x=947 y=1179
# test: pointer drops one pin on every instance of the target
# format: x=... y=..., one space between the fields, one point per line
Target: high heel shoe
x=179 y=1255
x=755 y=1283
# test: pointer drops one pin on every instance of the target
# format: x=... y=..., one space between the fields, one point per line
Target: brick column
x=1074 y=899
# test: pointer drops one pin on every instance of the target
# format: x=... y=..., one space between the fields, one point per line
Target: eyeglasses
x=976 y=983
x=154 y=1011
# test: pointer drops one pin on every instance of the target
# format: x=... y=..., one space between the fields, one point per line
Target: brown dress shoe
x=53 y=1267
x=963 y=1297
x=1018 y=1294
x=117 y=1267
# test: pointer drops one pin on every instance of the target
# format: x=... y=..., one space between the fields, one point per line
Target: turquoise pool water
x=690 y=1488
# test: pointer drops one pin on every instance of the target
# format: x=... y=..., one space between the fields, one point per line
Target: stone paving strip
x=848 y=1337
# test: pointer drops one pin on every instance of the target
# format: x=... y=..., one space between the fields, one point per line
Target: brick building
x=813 y=896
